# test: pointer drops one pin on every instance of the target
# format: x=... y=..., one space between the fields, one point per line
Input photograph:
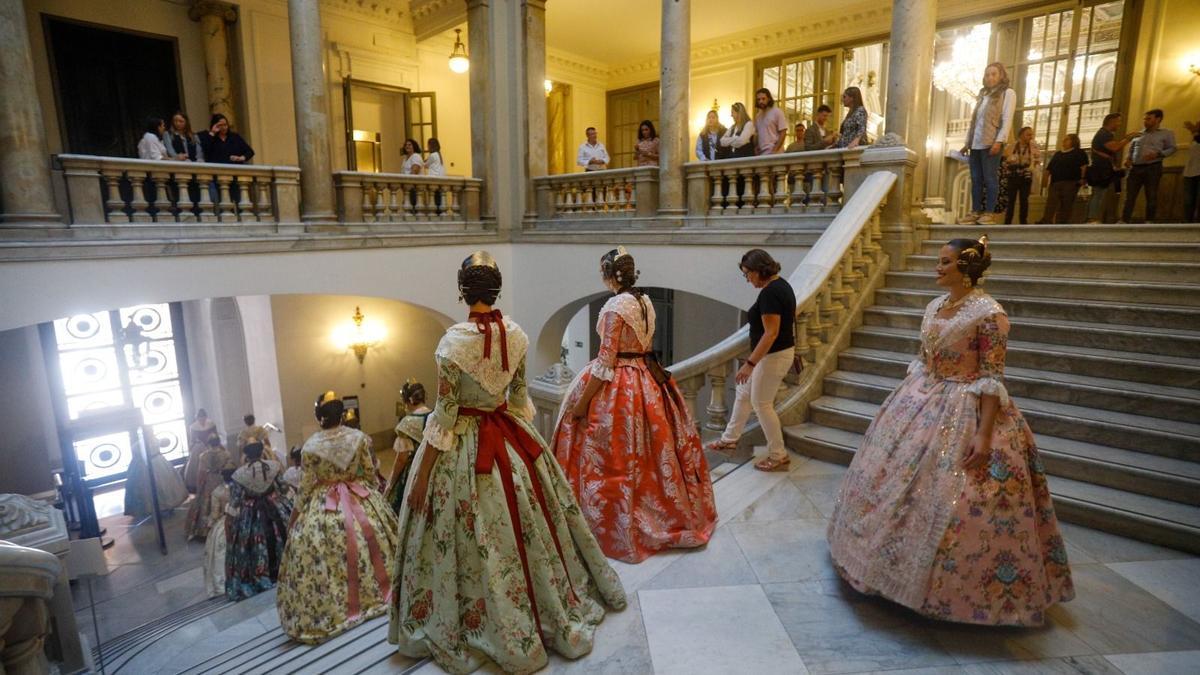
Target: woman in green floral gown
x=496 y=562
x=336 y=569
x=409 y=432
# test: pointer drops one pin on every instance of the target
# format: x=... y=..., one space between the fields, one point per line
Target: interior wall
x=726 y=86
x=1167 y=46
x=310 y=363
x=29 y=444
x=262 y=363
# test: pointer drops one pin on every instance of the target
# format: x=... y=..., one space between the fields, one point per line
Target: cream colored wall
x=453 y=93
x=728 y=85
x=1167 y=45
x=148 y=16
x=29 y=444
x=310 y=363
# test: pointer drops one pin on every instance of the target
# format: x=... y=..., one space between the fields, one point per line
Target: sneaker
x=986 y=219
x=970 y=218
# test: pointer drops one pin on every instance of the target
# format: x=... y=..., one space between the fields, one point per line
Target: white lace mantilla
x=336 y=446
x=254 y=478
x=630 y=309
x=463 y=344
x=936 y=333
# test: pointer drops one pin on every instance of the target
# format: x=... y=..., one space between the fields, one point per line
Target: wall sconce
x=716 y=106
x=459 y=62
x=360 y=336
x=548 y=85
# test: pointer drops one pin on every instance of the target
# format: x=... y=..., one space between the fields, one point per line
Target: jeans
x=985 y=176
x=1018 y=189
x=758 y=394
x=1142 y=175
x=1095 y=207
x=1191 y=195
x=1060 y=200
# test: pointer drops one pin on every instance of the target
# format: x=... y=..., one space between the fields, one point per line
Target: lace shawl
x=463 y=344
x=976 y=315
x=336 y=446
x=254 y=478
x=629 y=308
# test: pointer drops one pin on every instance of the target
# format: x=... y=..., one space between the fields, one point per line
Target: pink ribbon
x=338 y=498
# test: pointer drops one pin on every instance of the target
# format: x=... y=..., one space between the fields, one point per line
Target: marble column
x=534 y=14
x=310 y=94
x=910 y=72
x=673 y=106
x=214 y=16
x=26 y=196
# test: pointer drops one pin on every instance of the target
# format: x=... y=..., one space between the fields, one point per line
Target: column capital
x=202 y=8
x=535 y=4
x=474 y=4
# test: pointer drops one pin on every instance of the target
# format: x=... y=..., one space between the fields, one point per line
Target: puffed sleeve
x=519 y=401
x=603 y=368
x=440 y=431
x=991 y=336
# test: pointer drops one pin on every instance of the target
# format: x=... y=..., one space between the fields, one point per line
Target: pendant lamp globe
x=459 y=62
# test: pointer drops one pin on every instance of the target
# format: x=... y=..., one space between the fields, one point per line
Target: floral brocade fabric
x=635 y=462
x=336 y=572
x=468 y=590
x=256 y=538
x=913 y=525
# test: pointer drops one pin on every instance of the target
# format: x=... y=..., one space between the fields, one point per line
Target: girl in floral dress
x=336 y=570
x=626 y=439
x=409 y=432
x=496 y=562
x=945 y=508
x=214 y=543
x=208 y=477
x=257 y=534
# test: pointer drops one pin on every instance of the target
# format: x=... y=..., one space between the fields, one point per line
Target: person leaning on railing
x=222 y=145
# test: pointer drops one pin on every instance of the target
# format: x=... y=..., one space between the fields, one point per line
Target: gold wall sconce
x=360 y=336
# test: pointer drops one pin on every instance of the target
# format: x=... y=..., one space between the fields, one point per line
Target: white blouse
x=412 y=164
x=151 y=147
x=433 y=164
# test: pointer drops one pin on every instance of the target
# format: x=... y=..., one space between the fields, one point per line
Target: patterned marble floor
x=763 y=598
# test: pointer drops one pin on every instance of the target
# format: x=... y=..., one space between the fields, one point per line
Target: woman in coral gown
x=336 y=571
x=625 y=437
x=496 y=563
x=945 y=508
x=257 y=534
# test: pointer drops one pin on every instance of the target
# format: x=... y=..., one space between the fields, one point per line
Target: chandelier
x=962 y=75
x=459 y=62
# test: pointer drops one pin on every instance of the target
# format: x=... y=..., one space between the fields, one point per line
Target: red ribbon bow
x=339 y=498
x=484 y=321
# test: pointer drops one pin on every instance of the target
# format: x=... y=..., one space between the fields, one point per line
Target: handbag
x=1099 y=174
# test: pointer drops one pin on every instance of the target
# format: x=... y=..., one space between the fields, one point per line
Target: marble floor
x=762 y=597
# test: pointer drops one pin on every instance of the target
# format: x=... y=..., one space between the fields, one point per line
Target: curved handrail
x=811 y=276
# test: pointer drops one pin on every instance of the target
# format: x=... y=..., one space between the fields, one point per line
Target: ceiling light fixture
x=459 y=62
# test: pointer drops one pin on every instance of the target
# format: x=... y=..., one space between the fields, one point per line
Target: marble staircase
x=1103 y=360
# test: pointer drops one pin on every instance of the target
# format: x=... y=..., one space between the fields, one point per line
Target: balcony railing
x=788 y=183
x=116 y=190
x=403 y=198
x=611 y=193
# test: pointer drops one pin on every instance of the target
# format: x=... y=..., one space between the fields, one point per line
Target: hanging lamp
x=459 y=62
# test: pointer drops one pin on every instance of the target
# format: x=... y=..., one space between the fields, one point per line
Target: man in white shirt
x=592 y=154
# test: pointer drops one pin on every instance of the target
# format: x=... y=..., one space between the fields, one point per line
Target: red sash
x=496 y=428
x=344 y=496
x=484 y=321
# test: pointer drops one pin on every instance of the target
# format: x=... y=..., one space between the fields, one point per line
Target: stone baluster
x=208 y=210
x=139 y=207
x=245 y=208
x=421 y=207
x=224 y=206
x=729 y=178
x=718 y=411
x=633 y=197
x=560 y=203
x=816 y=194
x=266 y=209
x=802 y=321
x=799 y=198
x=114 y=206
x=779 y=201
x=717 y=201
x=370 y=195
x=691 y=389
x=833 y=190
x=451 y=204
x=762 y=202
x=388 y=209
x=408 y=203
x=744 y=192
x=623 y=192
x=163 y=186
x=813 y=322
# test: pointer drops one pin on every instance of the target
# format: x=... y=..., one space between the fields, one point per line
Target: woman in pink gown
x=626 y=440
x=945 y=508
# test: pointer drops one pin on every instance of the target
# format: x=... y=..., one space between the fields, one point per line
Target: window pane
x=89 y=370
x=154 y=321
x=158 y=402
x=104 y=455
x=808 y=77
x=770 y=78
x=83 y=330
x=1037 y=39
x=155 y=363
x=90 y=403
x=171 y=436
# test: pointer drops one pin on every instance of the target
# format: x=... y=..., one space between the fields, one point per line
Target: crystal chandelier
x=962 y=75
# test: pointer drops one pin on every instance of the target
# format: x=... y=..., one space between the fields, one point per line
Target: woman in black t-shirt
x=773 y=342
x=1064 y=175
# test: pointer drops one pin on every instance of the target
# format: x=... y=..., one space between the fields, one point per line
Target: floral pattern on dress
x=208 y=477
x=214 y=543
x=319 y=591
x=256 y=538
x=461 y=592
x=409 y=431
x=911 y=524
x=636 y=462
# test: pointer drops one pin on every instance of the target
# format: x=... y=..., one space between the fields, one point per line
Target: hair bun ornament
x=326 y=398
x=621 y=253
x=480 y=259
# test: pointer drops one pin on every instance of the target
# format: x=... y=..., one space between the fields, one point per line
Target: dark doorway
x=107 y=82
x=664 y=324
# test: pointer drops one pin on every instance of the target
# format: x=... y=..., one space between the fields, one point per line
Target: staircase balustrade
x=611 y=193
x=790 y=183
x=120 y=191
x=403 y=198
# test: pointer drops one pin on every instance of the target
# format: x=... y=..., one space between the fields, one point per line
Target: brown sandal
x=771 y=464
x=722 y=446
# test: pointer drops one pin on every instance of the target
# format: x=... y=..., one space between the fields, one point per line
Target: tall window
x=801 y=83
x=1064 y=68
x=118 y=358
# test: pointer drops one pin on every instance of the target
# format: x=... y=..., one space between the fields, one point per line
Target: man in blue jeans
x=991 y=125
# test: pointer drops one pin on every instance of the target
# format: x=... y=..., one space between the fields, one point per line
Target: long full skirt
x=637 y=465
x=191 y=470
x=170 y=487
x=461 y=591
x=214 y=560
x=912 y=525
x=329 y=582
x=255 y=545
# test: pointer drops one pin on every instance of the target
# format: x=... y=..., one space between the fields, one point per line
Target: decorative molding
x=384 y=11
x=29 y=522
x=431 y=17
x=559 y=375
x=201 y=8
x=578 y=70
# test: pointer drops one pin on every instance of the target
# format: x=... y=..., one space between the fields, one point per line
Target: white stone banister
x=365 y=197
x=787 y=183
x=117 y=190
x=610 y=193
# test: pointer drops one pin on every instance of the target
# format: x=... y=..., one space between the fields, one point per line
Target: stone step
x=1152 y=474
x=1069 y=234
x=1063 y=267
x=1138 y=516
x=1139 y=398
x=1166 y=438
x=1173 y=342
x=1009 y=249
x=1088 y=311
x=1172 y=371
x=1132 y=292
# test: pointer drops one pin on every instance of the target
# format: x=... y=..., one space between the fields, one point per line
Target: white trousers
x=758 y=394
